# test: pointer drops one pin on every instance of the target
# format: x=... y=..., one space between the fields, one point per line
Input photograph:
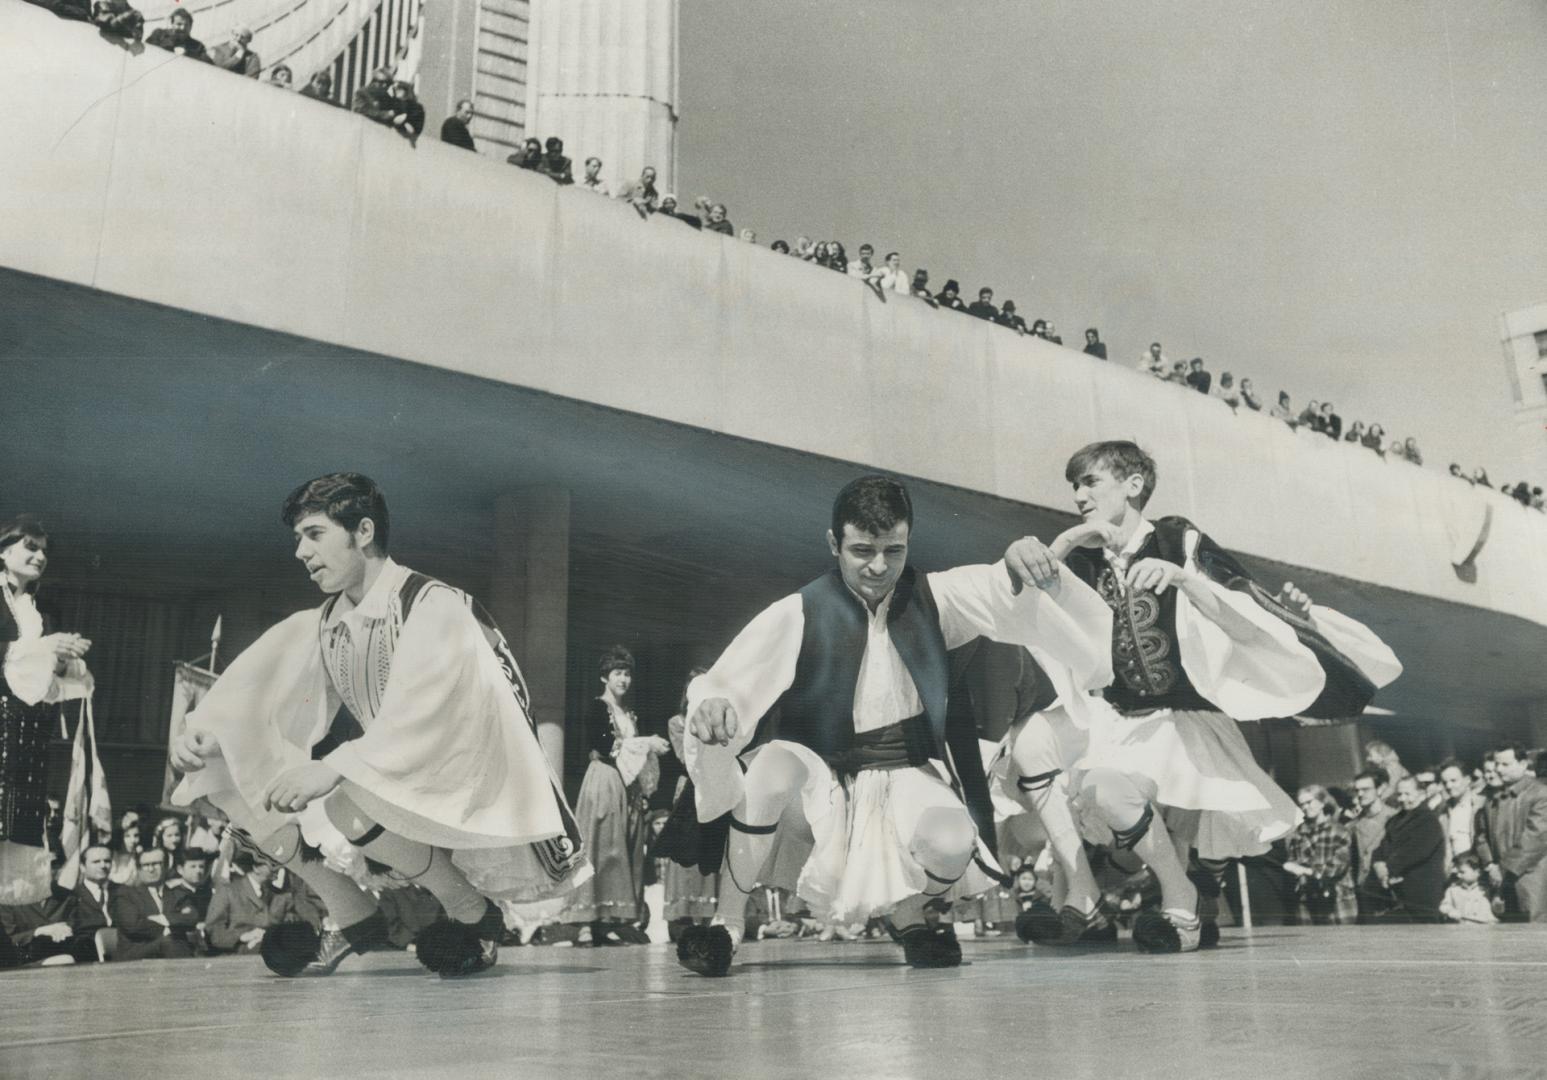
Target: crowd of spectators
x=1444 y=843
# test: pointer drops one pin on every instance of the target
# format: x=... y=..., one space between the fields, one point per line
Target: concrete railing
x=162 y=179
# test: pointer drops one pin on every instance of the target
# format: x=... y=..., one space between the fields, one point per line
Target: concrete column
x=603 y=77
x=529 y=598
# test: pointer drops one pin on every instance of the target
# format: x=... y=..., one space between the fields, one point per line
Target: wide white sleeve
x=754 y=670
x=1069 y=622
x=1269 y=676
x=1359 y=643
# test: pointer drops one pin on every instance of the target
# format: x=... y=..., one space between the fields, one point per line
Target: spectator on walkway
x=529 y=156
x=407 y=112
x=780 y=247
x=1480 y=477
x=153 y=920
x=641 y=193
x=892 y=277
x=593 y=182
x=837 y=258
x=718 y=222
x=1466 y=901
x=1411 y=859
x=1094 y=346
x=245 y=907
x=1154 y=361
x=1369 y=829
x=1374 y=438
x=1513 y=846
x=554 y=165
x=1179 y=372
x=374 y=100
x=116 y=17
x=1318 y=857
x=1410 y=450
x=1039 y=329
x=1331 y=422
x=1355 y=432
x=949 y=297
x=983 y=307
x=920 y=287
x=1249 y=396
x=235 y=56
x=748 y=236
x=320 y=87
x=177 y=37
x=1197 y=377
x=1051 y=333
x=864 y=265
x=1008 y=318
x=76 y=10
x=1455 y=470
x=1310 y=417
x=1225 y=390
x=1284 y=410
x=454 y=129
x=281 y=76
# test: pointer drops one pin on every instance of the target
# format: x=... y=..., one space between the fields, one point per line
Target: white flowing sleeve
x=1359 y=643
x=1270 y=676
x=1069 y=623
x=29 y=670
x=754 y=670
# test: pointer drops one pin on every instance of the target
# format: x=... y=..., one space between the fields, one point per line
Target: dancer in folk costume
x=1158 y=764
x=390 y=725
x=822 y=730
x=623 y=773
x=41 y=668
x=689 y=892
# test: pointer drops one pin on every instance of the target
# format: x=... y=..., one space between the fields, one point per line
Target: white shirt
x=357 y=644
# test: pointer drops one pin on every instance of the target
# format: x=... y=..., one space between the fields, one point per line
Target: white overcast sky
x=1335 y=197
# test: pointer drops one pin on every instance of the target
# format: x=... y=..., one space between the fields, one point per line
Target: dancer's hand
x=659 y=745
x=1295 y=599
x=192 y=749
x=293 y=789
x=1031 y=562
x=714 y=721
x=1087 y=534
x=1156 y=575
x=68 y=646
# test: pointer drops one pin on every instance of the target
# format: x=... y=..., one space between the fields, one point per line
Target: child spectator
x=1466 y=901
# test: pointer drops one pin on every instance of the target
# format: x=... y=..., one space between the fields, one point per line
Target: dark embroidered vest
x=818 y=708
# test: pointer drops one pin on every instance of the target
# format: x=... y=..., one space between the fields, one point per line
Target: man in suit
x=1410 y=861
x=1513 y=847
x=93 y=893
x=40 y=930
x=153 y=920
x=245 y=907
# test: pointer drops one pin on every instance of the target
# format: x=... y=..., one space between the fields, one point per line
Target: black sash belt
x=903 y=745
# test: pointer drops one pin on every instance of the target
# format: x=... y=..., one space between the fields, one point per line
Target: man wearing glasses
x=153 y=918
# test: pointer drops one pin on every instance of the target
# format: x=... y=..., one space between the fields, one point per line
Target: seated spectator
x=177 y=37
x=1331 y=422
x=920 y=287
x=281 y=76
x=1284 y=410
x=1411 y=859
x=116 y=17
x=1051 y=333
x=1318 y=856
x=1154 y=361
x=1094 y=346
x=949 y=297
x=1249 y=396
x=748 y=236
x=1466 y=901
x=779 y=246
x=152 y=920
x=1226 y=390
x=454 y=129
x=1197 y=377
x=1374 y=436
x=168 y=836
x=593 y=182
x=554 y=165
x=374 y=100
x=1008 y=318
x=42 y=930
x=320 y=87
x=641 y=193
x=193 y=878
x=126 y=870
x=93 y=893
x=892 y=277
x=245 y=907
x=235 y=56
x=983 y=307
x=407 y=112
x=864 y=266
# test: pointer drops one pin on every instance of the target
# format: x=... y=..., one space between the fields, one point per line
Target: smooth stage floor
x=1347 y=1002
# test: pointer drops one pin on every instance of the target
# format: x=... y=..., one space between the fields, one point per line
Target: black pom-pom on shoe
x=289 y=947
x=931 y=946
x=706 y=950
x=453 y=949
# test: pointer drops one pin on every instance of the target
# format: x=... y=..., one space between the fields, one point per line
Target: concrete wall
x=165 y=180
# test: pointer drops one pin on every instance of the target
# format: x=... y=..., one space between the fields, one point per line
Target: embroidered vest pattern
x=1142 y=655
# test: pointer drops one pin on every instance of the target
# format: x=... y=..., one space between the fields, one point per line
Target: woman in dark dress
x=610 y=809
x=40 y=668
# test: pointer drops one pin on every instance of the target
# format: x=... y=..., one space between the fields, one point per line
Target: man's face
x=1364 y=791
x=866 y=252
x=1310 y=805
x=1490 y=773
x=260 y=873
x=1326 y=408
x=153 y=867
x=1454 y=780
x=985 y=295
x=950 y=291
x=593 y=169
x=1430 y=784
x=97 y=864
x=1155 y=349
x=668 y=205
x=648 y=176
x=1090 y=337
x=181 y=25
x=1197 y=364
x=1099 y=495
x=717 y=213
x=894 y=261
x=194 y=871
x=1409 y=794
x=333 y=556
x=871 y=563
x=465 y=112
x=1511 y=768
